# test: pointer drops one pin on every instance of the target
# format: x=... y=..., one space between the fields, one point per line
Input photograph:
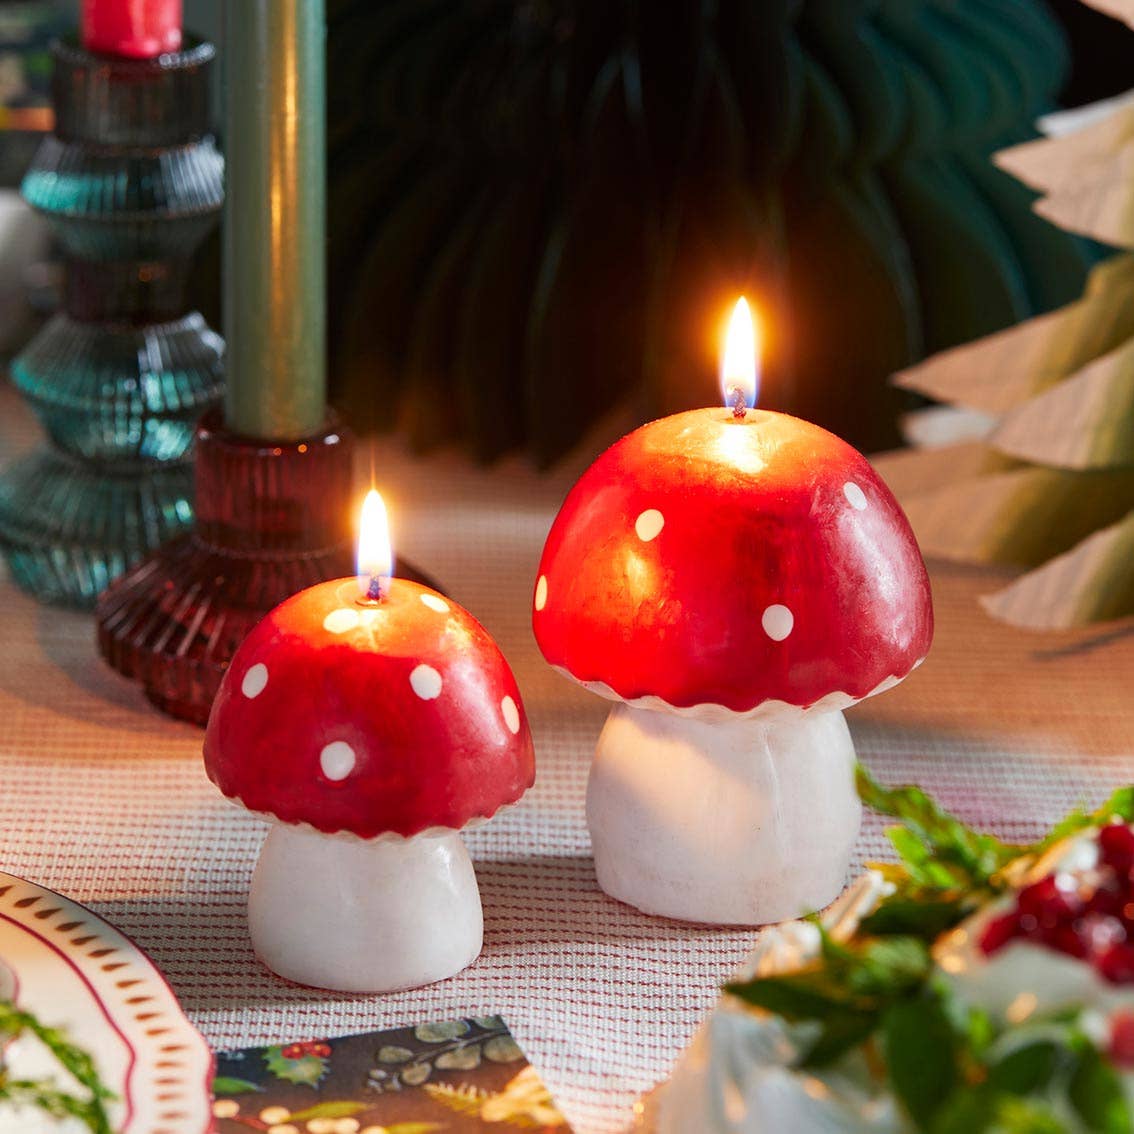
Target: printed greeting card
x=455 y=1077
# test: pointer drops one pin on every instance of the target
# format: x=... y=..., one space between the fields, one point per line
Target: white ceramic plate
x=72 y=970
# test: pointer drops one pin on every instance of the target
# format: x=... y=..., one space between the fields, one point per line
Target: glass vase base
x=174 y=622
x=272 y=519
x=68 y=527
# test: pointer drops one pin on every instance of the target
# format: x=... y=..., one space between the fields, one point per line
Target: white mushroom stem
x=340 y=912
x=741 y=821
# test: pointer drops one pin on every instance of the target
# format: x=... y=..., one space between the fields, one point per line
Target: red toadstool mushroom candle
x=373 y=718
x=732 y=579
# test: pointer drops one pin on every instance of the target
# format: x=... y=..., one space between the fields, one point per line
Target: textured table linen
x=106 y=801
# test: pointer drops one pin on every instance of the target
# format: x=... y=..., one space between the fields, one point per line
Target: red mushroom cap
x=396 y=717
x=708 y=560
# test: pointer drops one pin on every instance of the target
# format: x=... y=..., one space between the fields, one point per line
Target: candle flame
x=739 y=363
x=375 y=555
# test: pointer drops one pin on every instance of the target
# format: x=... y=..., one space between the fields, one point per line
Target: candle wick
x=375 y=591
x=738 y=402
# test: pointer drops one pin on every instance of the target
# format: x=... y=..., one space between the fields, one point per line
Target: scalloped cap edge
x=708 y=712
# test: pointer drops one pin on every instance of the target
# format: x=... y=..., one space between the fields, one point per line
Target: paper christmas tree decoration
x=1045 y=479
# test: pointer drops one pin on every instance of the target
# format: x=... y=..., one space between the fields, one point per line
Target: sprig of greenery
x=846 y=991
x=42 y=1094
x=1119 y=806
x=951 y=1067
x=937 y=849
x=946 y=869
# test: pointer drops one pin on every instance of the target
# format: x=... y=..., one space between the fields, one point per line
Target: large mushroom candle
x=732 y=579
x=372 y=718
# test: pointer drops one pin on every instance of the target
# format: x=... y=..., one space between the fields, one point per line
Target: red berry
x=292 y=1051
x=998 y=932
x=1057 y=912
x=1121 y=1048
x=1064 y=939
x=1109 y=899
x=1046 y=902
x=1100 y=931
x=1116 y=964
x=313 y=1047
x=1116 y=847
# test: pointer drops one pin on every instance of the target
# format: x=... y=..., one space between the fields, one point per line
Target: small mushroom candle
x=732 y=579
x=372 y=719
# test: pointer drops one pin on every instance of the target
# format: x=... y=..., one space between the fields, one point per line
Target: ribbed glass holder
x=271 y=520
x=130 y=181
x=69 y=526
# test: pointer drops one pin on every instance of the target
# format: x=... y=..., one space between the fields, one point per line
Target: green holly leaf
x=439 y=1033
x=921 y=865
x=1025 y=1069
x=414 y=1127
x=489 y=1023
x=227 y=1085
x=329 y=1109
x=924 y=914
x=1096 y=1093
x=307 y=1070
x=1026 y=1116
x=502 y=1049
x=968 y=1111
x=881 y=968
x=980 y=1110
x=837 y=1035
x=920 y=1049
x=976 y=1027
x=846 y=991
x=806 y=994
x=460 y=1059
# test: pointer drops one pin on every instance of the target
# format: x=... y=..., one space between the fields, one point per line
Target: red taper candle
x=136 y=29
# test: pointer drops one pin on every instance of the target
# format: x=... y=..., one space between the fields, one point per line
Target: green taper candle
x=274 y=218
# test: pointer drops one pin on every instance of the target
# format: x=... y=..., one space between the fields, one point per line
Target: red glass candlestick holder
x=272 y=519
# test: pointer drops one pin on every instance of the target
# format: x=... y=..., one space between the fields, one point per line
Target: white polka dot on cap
x=341 y=620
x=255 y=680
x=856 y=498
x=541 y=593
x=337 y=760
x=649 y=524
x=426 y=682
x=511 y=715
x=777 y=621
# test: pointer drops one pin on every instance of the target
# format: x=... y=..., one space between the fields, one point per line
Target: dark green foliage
x=538 y=207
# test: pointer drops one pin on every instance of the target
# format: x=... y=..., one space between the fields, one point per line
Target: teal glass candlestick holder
x=131 y=182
